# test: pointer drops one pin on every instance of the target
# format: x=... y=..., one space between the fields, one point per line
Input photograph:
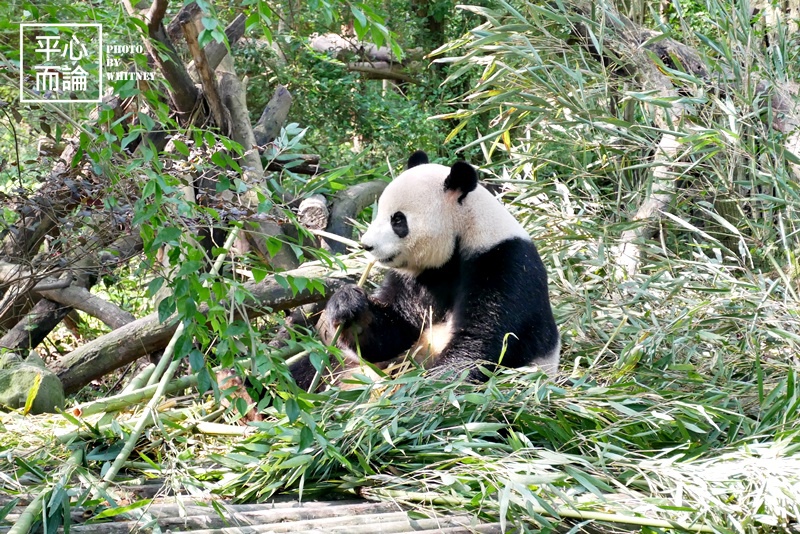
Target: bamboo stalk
x=171 y=416
x=123 y=400
x=182 y=430
x=28 y=516
x=134 y=396
x=141 y=516
x=296 y=357
x=150 y=410
x=349 y=242
x=140 y=380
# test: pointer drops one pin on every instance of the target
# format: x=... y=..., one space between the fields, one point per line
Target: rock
x=9 y=359
x=17 y=378
x=36 y=360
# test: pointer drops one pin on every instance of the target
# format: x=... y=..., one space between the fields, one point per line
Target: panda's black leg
x=470 y=365
x=303 y=372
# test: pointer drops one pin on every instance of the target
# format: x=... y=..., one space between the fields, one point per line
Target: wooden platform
x=314 y=517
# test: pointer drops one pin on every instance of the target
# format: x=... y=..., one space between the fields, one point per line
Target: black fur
x=487 y=296
x=303 y=372
x=400 y=224
x=347 y=305
x=463 y=177
x=417 y=158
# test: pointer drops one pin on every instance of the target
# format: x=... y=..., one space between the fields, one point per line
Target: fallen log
x=82 y=299
x=45 y=315
x=307 y=164
x=34 y=326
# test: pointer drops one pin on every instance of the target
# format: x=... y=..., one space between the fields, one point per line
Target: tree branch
x=236 y=103
x=34 y=326
x=190 y=10
x=215 y=52
x=274 y=115
x=298 y=164
x=155 y=15
x=382 y=71
x=206 y=74
x=82 y=299
x=182 y=90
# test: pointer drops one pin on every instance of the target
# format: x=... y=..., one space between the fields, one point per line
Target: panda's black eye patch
x=399 y=224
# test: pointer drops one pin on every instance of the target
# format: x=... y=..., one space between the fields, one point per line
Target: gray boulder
x=16 y=379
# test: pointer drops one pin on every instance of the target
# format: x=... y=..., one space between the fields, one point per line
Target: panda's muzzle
x=385 y=261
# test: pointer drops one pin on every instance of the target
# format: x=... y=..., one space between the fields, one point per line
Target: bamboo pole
x=123 y=400
x=140 y=380
x=172 y=416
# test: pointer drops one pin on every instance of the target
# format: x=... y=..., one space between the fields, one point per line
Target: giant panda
x=465 y=286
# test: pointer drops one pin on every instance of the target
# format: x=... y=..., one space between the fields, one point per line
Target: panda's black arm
x=383 y=325
x=504 y=303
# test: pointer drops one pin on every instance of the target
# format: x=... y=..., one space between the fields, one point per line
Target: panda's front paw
x=347 y=306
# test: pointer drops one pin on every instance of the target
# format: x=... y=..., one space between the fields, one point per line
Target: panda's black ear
x=463 y=177
x=417 y=158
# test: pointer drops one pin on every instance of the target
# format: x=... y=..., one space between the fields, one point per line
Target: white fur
x=435 y=218
x=549 y=364
x=431 y=343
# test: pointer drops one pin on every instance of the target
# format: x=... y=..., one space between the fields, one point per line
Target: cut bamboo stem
x=216 y=414
x=172 y=416
x=140 y=380
x=123 y=400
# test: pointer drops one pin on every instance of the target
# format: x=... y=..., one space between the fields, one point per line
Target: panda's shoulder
x=398 y=284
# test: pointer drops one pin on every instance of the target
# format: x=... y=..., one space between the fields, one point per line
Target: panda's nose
x=367 y=247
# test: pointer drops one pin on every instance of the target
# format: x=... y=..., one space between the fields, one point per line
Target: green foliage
x=353 y=116
x=388 y=123
x=519 y=446
x=555 y=111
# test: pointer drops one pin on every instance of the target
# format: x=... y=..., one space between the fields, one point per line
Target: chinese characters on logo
x=67 y=62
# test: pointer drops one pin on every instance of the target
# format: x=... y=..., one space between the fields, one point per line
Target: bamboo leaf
x=32 y=393
x=118 y=510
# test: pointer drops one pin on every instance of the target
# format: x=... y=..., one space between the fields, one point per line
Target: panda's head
x=429 y=208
